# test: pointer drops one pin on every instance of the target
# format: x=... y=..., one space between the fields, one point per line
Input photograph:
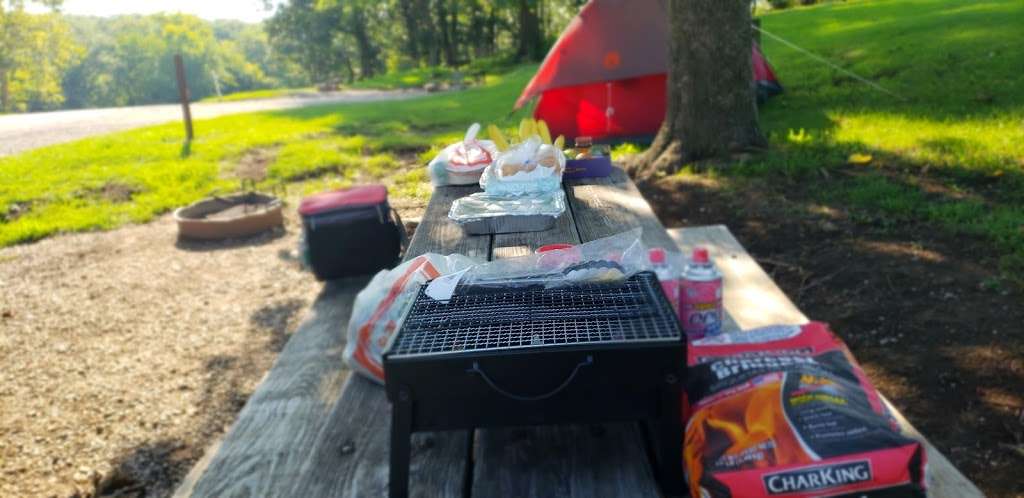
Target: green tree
x=35 y=50
x=308 y=33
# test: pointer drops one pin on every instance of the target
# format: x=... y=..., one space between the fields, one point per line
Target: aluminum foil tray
x=481 y=214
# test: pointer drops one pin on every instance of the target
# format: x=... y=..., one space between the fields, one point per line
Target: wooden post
x=179 y=68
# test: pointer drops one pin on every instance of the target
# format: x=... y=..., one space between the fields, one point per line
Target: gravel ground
x=124 y=354
x=20 y=132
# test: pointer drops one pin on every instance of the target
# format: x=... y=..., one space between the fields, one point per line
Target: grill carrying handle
x=518 y=397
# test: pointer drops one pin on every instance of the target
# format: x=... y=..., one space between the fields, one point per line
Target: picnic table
x=313 y=430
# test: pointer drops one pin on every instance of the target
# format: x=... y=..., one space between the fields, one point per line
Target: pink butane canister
x=700 y=296
x=668 y=278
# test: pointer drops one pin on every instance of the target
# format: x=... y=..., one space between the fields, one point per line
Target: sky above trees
x=239 y=10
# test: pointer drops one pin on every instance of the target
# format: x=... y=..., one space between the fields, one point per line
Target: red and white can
x=700 y=296
x=668 y=277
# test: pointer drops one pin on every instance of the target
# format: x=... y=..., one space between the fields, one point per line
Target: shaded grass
x=48 y=190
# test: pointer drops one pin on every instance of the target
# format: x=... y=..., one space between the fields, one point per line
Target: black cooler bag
x=351 y=232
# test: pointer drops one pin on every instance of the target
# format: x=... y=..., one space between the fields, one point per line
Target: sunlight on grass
x=59 y=188
x=957 y=65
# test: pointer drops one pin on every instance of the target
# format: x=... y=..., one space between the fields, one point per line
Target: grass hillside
x=104 y=182
x=949 y=153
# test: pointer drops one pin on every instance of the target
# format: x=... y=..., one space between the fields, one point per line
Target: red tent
x=605 y=76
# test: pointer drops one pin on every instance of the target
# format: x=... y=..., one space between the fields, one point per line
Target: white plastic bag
x=380 y=307
x=462 y=163
x=525 y=168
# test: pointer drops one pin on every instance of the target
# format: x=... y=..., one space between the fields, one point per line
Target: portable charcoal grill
x=529 y=355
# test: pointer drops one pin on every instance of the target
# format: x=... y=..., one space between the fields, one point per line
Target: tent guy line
x=828 y=62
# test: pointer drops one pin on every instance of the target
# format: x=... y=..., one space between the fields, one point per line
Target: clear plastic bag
x=528 y=167
x=381 y=305
x=610 y=259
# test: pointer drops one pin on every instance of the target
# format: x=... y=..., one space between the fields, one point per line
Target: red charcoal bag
x=786 y=411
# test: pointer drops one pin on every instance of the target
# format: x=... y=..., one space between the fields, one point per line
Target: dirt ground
x=124 y=354
x=936 y=331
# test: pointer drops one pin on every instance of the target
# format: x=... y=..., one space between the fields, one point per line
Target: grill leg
x=401 y=434
x=670 y=437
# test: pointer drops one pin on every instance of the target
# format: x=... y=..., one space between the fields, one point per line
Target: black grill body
x=531 y=356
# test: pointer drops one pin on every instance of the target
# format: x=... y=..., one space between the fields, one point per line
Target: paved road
x=20 y=132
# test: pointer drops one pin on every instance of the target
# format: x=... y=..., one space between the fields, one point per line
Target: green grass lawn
x=949 y=154
x=104 y=182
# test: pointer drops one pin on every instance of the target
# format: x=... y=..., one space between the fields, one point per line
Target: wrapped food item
x=462 y=163
x=484 y=213
x=527 y=167
x=787 y=411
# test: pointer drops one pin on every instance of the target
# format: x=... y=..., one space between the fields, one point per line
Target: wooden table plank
x=558 y=461
x=352 y=450
x=275 y=431
x=563 y=461
x=607 y=206
x=510 y=245
x=754 y=300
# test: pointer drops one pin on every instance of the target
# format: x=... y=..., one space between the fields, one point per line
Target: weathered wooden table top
x=311 y=430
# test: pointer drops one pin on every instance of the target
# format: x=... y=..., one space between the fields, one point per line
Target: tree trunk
x=412 y=33
x=364 y=45
x=475 y=34
x=444 y=25
x=711 y=108
x=492 y=31
x=530 y=39
x=4 y=90
x=351 y=71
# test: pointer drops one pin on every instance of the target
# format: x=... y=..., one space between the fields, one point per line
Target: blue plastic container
x=594 y=167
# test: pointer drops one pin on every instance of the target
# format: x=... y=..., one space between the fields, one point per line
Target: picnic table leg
x=401 y=436
x=670 y=437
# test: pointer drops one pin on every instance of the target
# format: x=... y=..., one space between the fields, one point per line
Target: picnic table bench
x=312 y=430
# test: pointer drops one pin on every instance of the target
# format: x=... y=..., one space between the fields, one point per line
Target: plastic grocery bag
x=380 y=307
x=609 y=259
x=461 y=163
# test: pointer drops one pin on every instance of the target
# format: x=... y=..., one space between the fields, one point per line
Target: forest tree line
x=54 y=61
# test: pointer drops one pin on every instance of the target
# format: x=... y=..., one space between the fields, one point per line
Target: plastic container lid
x=700 y=255
x=657 y=255
x=470 y=155
x=365 y=195
x=554 y=247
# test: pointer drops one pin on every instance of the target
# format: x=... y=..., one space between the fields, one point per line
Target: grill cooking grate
x=481 y=320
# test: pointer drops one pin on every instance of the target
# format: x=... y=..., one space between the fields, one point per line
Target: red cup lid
x=657 y=255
